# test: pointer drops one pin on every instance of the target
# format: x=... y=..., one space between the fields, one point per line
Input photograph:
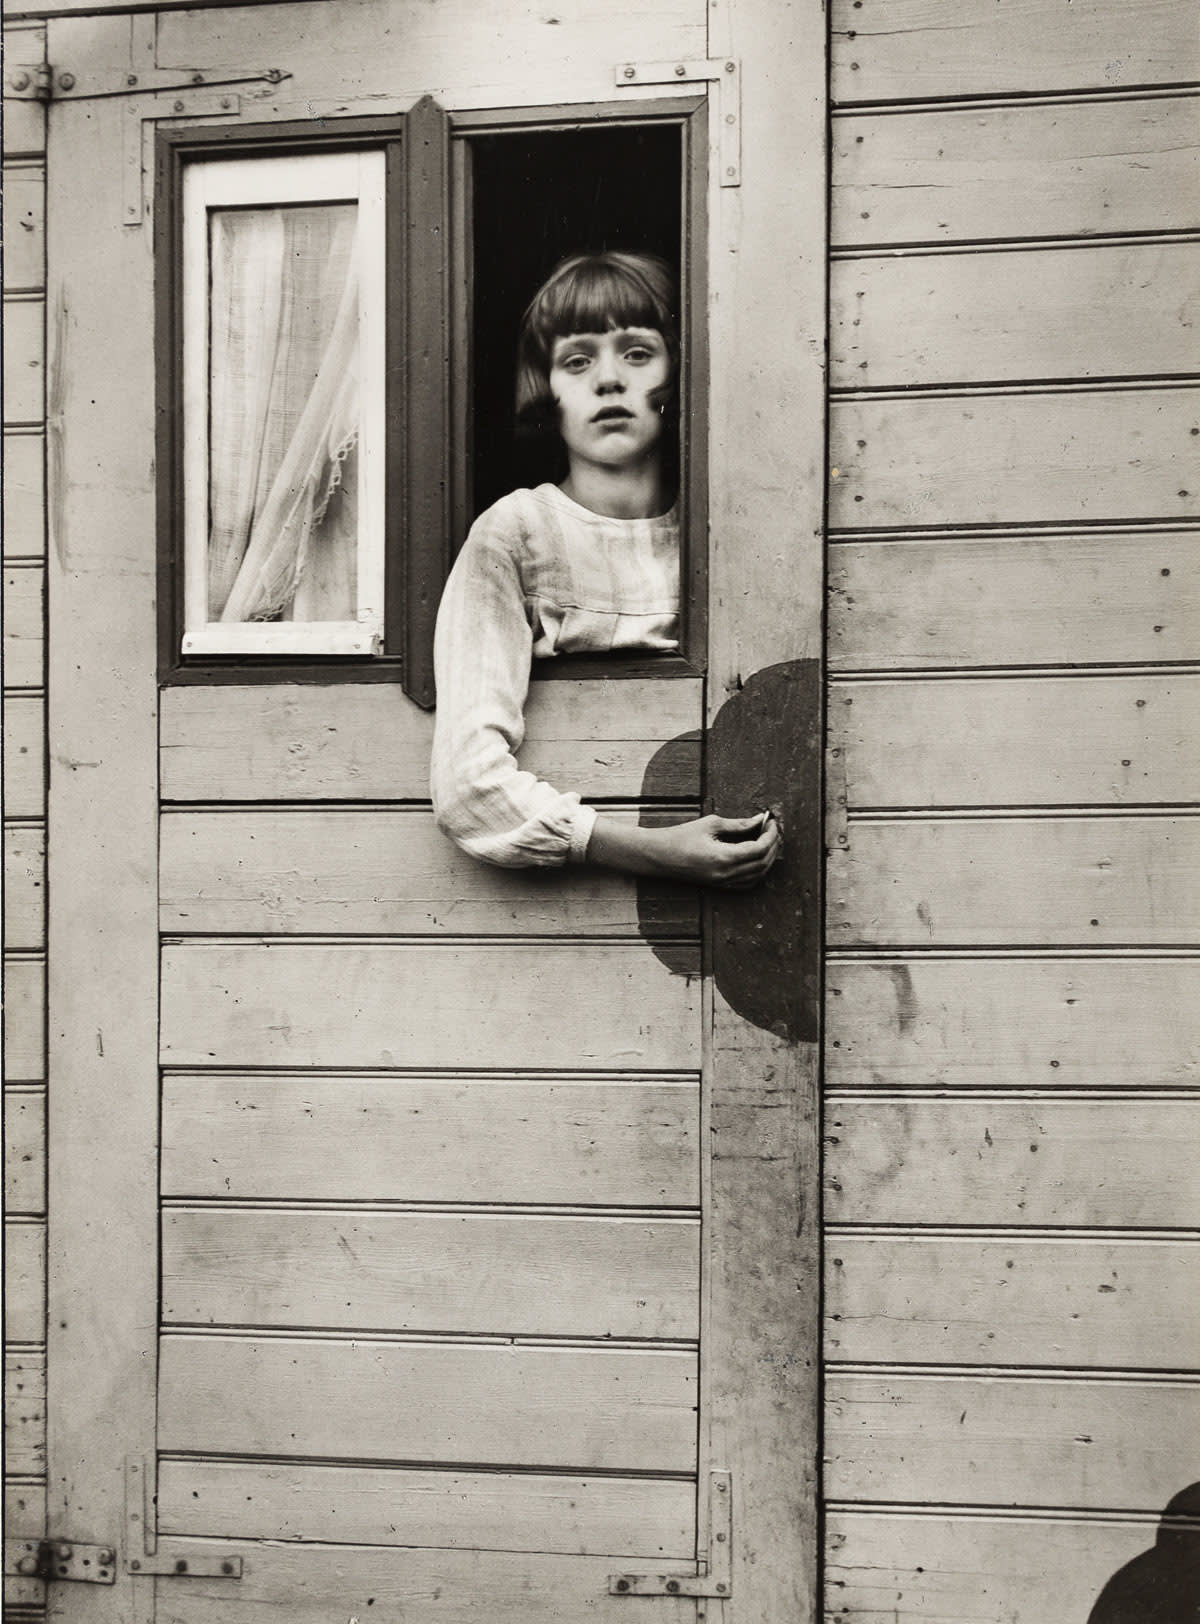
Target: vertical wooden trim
x=396 y=271
x=462 y=369
x=693 y=394
x=168 y=397
x=428 y=418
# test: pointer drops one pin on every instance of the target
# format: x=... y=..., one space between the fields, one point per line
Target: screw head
x=27 y=1565
x=226 y=1567
x=672 y=1587
x=107 y=1558
x=64 y=1553
x=681 y=72
x=622 y=1585
x=66 y=81
x=179 y=107
x=630 y=73
x=20 y=81
x=131 y=78
x=181 y=1566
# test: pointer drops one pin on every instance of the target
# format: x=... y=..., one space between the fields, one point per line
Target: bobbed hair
x=591 y=293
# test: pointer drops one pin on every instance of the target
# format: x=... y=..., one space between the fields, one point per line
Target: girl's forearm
x=616 y=843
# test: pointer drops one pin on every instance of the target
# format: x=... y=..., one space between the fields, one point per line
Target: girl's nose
x=607 y=374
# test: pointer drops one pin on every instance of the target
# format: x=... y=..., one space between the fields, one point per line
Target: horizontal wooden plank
x=24 y=360
x=395 y=1005
x=1011 y=1022
x=1103 y=312
x=349 y=1138
x=24 y=756
x=368 y=1582
x=25 y=1413
x=1045 y=881
x=23 y=634
x=995 y=174
x=890 y=50
x=24 y=496
x=348 y=742
x=1024 y=600
x=498 y=1511
x=387 y=871
x=24 y=1020
x=889 y=1568
x=24 y=1151
x=24 y=1281
x=579 y=1408
x=504 y=1274
x=1107 y=1162
x=911 y=462
x=1018 y=741
x=24 y=888
x=24 y=210
x=1084 y=1445
x=918 y=1299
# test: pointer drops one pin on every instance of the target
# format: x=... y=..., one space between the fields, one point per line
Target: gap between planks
x=1149 y=383
x=429 y=1339
x=1065 y=97
x=931 y=247
x=1001 y=1513
x=630 y=1215
x=1017 y=1235
x=1114 y=1376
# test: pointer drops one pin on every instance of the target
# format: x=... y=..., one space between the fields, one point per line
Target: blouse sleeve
x=482 y=650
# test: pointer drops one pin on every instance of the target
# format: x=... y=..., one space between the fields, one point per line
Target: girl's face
x=606 y=388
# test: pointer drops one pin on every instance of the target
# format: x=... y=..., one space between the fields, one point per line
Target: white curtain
x=284 y=413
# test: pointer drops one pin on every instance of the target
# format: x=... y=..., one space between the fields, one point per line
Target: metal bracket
x=717 y=1579
x=60 y=1559
x=145 y=1555
x=30 y=84
x=723 y=71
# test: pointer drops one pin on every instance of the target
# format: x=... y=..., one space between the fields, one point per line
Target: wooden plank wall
x=428 y=1128
x=24 y=192
x=1013 y=1101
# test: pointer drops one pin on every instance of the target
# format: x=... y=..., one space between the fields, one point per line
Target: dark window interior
x=536 y=198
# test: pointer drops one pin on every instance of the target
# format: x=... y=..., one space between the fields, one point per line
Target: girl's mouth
x=608 y=414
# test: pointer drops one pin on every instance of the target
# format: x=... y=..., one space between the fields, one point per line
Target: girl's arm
x=482 y=799
x=732 y=853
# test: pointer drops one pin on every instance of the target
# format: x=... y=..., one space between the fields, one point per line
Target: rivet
x=721 y=1589
x=226 y=1567
x=135 y=1566
x=64 y=1552
x=720 y=1539
x=107 y=1558
x=622 y=1584
x=27 y=1565
x=66 y=81
x=197 y=78
x=729 y=119
x=672 y=1587
x=225 y=102
x=20 y=81
x=720 y=1488
x=731 y=171
x=681 y=71
x=631 y=73
x=131 y=78
x=730 y=67
x=181 y=1566
x=179 y=107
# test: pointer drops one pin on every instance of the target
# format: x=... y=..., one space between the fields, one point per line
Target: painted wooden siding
x=24 y=191
x=1013 y=1065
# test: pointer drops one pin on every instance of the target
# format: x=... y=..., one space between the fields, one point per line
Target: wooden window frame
x=427 y=361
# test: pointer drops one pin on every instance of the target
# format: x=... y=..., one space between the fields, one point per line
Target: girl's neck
x=616 y=493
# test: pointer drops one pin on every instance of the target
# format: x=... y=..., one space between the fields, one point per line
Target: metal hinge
x=716 y=1578
x=146 y=1555
x=725 y=73
x=61 y=1560
x=47 y=84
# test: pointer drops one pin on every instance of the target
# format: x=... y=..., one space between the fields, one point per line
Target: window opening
x=283 y=404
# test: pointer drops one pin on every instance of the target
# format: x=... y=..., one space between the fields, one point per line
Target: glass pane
x=284 y=412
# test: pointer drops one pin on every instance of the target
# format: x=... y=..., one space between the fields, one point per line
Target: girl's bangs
x=598 y=297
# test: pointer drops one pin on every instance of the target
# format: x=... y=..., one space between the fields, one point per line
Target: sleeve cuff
x=581 y=833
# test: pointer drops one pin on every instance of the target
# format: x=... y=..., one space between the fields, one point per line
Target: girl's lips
x=612 y=414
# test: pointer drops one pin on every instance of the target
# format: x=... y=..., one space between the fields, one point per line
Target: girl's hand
x=730 y=853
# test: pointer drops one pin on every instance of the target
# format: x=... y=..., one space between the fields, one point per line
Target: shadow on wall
x=1161 y=1586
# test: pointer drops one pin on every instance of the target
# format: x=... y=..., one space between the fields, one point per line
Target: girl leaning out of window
x=584 y=567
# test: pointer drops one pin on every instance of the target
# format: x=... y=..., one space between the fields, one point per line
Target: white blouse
x=539 y=575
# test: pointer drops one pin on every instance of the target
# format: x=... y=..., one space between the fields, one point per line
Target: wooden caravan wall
x=1013 y=1110
x=24 y=818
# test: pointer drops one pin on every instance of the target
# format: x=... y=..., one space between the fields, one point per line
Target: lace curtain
x=284 y=392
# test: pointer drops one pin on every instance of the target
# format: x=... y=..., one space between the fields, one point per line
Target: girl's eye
x=573 y=363
x=638 y=353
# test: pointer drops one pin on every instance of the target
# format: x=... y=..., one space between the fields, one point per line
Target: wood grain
x=24 y=1151
x=24 y=211
x=497 y=1511
x=1107 y=312
x=1018 y=741
x=24 y=1020
x=386 y=871
x=366 y=1582
x=994 y=174
x=513 y=1274
x=1099 y=1162
x=891 y=1568
x=24 y=1281
x=1023 y=1023
x=1060 y=458
x=890 y=50
x=24 y=121
x=24 y=640
x=581 y=1408
x=1024 y=600
x=25 y=1413
x=976 y=1441
x=24 y=756
x=966 y=1299
x=324 y=742
x=24 y=496
x=388 y=1005
x=581 y=1142
x=24 y=888
x=24 y=360
x=1046 y=881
